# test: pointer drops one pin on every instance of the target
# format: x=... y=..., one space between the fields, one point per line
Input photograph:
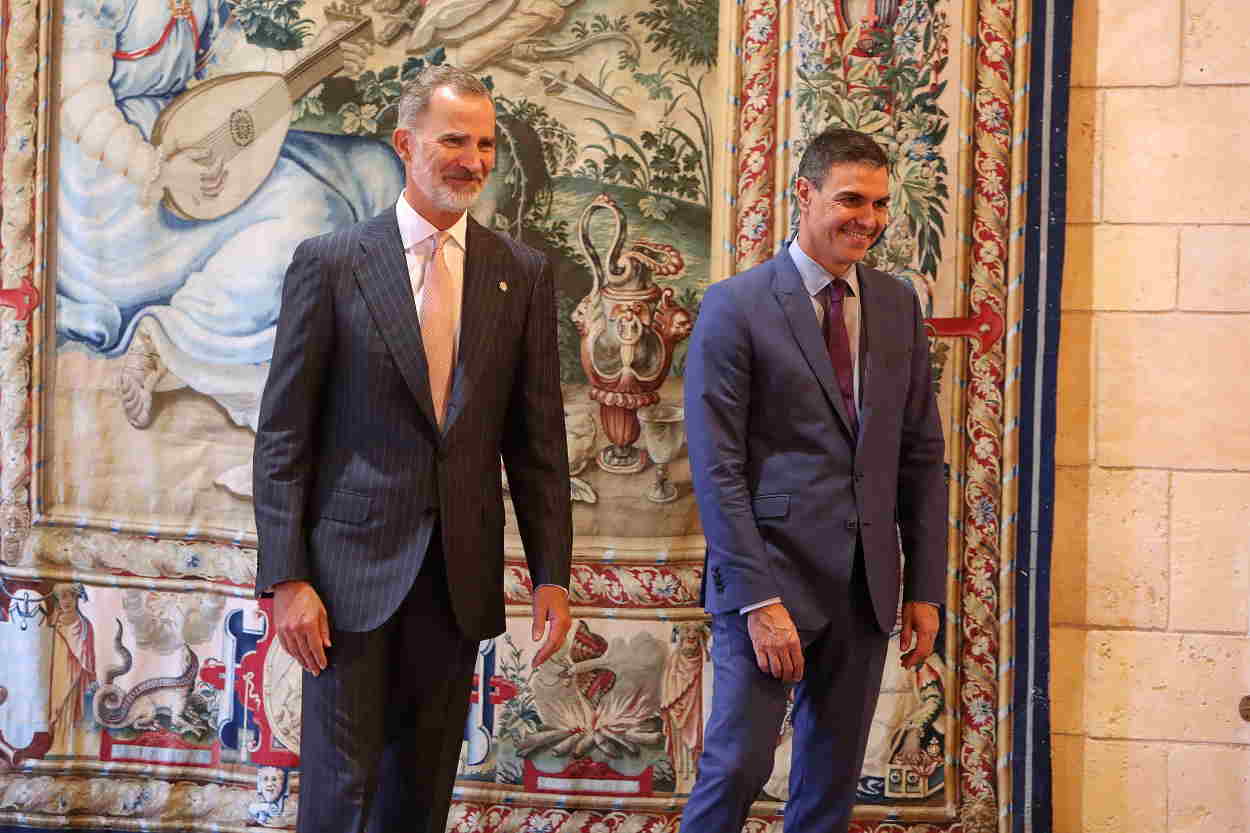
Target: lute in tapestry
x=240 y=120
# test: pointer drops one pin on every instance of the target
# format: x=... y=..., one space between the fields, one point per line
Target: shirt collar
x=816 y=277
x=415 y=229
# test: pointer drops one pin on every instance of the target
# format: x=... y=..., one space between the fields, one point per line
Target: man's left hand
x=920 y=620
x=551 y=614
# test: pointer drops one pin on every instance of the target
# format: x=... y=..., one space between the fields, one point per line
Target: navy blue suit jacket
x=784 y=488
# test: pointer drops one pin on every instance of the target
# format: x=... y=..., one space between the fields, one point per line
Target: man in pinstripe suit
x=413 y=351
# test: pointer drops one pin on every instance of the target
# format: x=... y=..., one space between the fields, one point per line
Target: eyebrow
x=461 y=134
x=842 y=195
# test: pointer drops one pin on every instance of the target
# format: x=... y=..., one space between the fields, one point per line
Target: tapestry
x=162 y=160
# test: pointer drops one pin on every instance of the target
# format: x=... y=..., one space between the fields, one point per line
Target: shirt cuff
x=930 y=604
x=565 y=589
x=748 y=608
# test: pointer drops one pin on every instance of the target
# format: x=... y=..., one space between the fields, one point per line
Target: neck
x=836 y=268
x=441 y=220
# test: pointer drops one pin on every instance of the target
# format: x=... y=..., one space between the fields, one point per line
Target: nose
x=870 y=215
x=477 y=159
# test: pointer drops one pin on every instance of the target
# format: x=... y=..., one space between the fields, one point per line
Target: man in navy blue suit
x=816 y=449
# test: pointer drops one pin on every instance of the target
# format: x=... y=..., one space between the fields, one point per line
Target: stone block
x=1126 y=43
x=1216 y=48
x=1084 y=156
x=1069 y=561
x=1178 y=155
x=1210 y=575
x=1122 y=787
x=1159 y=686
x=1127 y=561
x=1074 y=440
x=1067 y=757
x=1131 y=268
x=1208 y=789
x=1172 y=391
x=1214 y=263
x=1067 y=680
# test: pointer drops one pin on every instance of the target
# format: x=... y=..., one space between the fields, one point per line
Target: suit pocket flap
x=770 y=506
x=345 y=506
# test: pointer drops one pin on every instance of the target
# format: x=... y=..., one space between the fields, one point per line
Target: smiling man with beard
x=815 y=448
x=413 y=351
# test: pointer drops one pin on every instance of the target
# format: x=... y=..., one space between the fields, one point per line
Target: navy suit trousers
x=833 y=708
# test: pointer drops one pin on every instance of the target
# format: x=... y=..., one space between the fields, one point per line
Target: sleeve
x=89 y=113
x=922 y=495
x=718 y=403
x=286 y=432
x=534 y=448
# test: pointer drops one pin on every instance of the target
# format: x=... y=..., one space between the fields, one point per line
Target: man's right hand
x=778 y=650
x=303 y=627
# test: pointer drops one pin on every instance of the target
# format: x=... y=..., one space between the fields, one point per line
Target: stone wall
x=1152 y=531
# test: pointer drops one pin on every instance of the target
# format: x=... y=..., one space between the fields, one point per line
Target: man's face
x=269 y=783
x=838 y=222
x=67 y=600
x=447 y=153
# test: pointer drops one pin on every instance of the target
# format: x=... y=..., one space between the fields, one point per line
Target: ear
x=802 y=191
x=401 y=140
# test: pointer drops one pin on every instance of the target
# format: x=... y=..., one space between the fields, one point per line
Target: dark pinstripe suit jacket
x=351 y=470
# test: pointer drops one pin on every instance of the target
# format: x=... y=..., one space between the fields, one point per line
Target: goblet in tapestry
x=663 y=432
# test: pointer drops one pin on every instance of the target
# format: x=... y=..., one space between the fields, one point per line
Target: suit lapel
x=382 y=274
x=480 y=311
x=797 y=304
x=873 y=333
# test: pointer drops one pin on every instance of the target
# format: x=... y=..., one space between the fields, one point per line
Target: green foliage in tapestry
x=274 y=24
x=886 y=81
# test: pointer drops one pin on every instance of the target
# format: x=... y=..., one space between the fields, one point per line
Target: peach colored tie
x=438 y=325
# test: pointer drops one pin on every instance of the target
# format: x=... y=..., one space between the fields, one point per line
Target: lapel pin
x=503 y=286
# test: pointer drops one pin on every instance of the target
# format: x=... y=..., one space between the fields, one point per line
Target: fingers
x=904 y=638
x=213 y=180
x=551 y=615
x=920 y=628
x=540 y=620
x=796 y=660
x=782 y=659
x=355 y=55
x=556 y=632
x=924 y=647
x=302 y=625
x=555 y=638
x=778 y=649
x=299 y=646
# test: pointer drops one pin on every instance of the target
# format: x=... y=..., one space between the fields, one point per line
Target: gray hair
x=414 y=99
x=839 y=146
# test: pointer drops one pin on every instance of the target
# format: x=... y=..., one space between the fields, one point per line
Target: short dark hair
x=414 y=99
x=839 y=146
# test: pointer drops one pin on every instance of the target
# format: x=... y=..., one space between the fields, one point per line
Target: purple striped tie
x=839 y=344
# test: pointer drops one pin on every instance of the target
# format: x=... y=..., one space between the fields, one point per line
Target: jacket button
x=852 y=525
